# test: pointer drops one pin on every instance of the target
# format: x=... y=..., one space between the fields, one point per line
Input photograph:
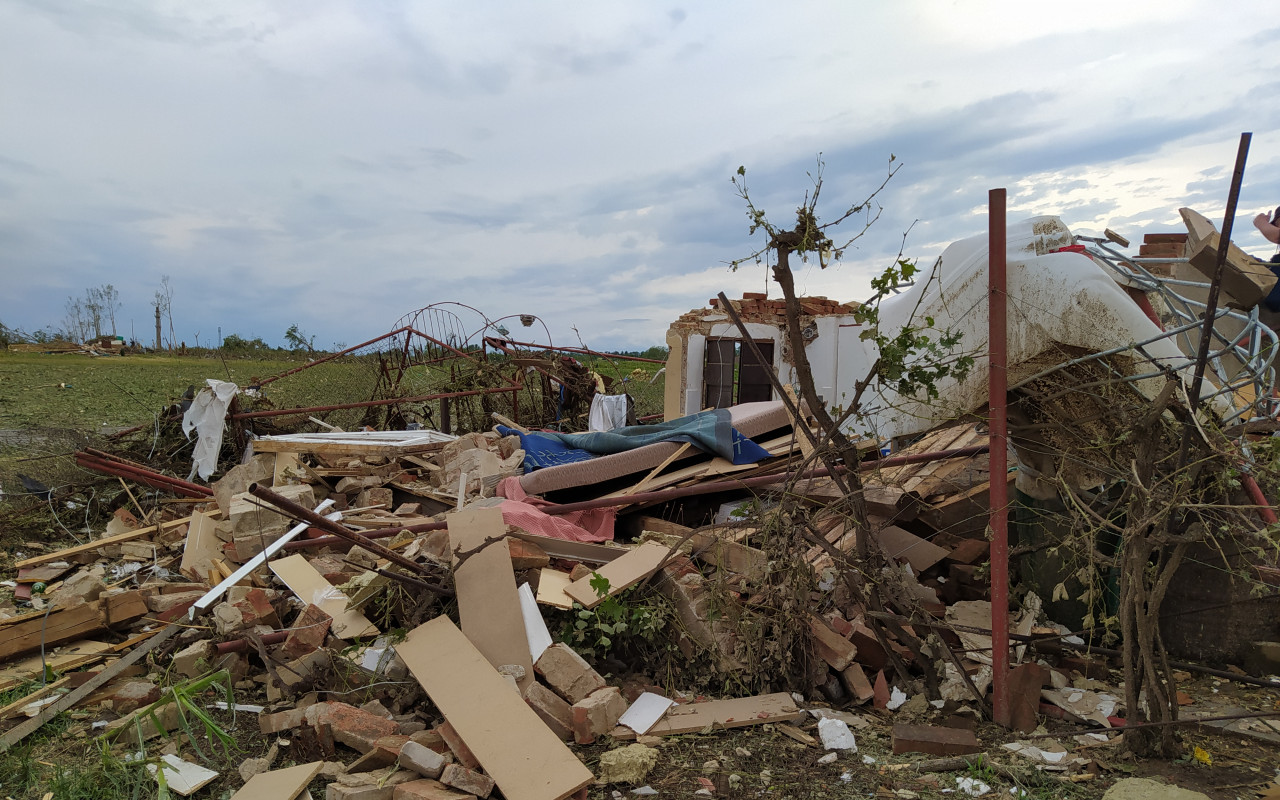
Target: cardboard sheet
x=512 y=744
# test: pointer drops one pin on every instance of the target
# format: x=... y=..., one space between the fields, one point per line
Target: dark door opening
x=731 y=374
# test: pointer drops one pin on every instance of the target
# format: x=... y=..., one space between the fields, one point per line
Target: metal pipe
x=997 y=386
x=1259 y=499
x=662 y=495
x=501 y=344
x=141 y=475
x=284 y=412
x=1215 y=287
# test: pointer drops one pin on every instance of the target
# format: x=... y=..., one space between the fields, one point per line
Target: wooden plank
x=127 y=536
x=202 y=548
x=513 y=745
x=485 y=587
x=919 y=553
x=627 y=570
x=590 y=552
x=76 y=654
x=736 y=713
x=279 y=784
x=76 y=695
x=680 y=451
x=310 y=586
x=59 y=626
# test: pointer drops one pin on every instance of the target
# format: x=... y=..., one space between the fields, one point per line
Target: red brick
x=307 y=633
x=132 y=695
x=466 y=780
x=856 y=683
x=357 y=729
x=934 y=741
x=385 y=752
x=870 y=652
x=551 y=708
x=458 y=747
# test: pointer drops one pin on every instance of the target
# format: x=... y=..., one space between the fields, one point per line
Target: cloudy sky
x=340 y=164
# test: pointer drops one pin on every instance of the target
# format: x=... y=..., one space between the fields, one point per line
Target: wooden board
x=485 y=586
x=551 y=586
x=310 y=586
x=60 y=626
x=201 y=549
x=76 y=654
x=624 y=571
x=127 y=536
x=919 y=553
x=590 y=552
x=513 y=745
x=355 y=443
x=736 y=713
x=279 y=784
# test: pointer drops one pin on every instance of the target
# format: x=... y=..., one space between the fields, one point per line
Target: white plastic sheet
x=208 y=415
x=608 y=411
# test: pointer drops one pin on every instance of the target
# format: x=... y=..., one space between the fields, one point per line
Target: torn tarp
x=710 y=430
x=208 y=414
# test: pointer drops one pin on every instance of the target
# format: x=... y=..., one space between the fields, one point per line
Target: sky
x=338 y=165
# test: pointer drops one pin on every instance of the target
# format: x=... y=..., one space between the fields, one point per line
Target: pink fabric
x=523 y=512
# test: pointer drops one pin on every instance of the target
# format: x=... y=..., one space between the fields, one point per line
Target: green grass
x=111 y=391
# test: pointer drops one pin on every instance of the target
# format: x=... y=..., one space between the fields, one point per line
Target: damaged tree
x=909 y=359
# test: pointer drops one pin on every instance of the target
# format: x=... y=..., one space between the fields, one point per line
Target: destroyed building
x=428 y=588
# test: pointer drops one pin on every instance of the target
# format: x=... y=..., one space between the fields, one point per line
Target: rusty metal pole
x=1224 y=244
x=997 y=348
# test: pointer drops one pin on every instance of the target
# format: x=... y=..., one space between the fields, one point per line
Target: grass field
x=110 y=391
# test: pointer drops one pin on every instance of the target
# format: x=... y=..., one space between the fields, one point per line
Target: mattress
x=750 y=419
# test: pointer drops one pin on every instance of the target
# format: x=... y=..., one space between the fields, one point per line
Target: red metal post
x=997 y=347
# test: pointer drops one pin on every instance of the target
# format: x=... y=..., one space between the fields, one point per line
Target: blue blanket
x=709 y=430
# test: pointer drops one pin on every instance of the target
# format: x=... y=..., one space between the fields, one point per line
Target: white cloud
x=348 y=162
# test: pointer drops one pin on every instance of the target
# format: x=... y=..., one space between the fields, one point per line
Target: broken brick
x=597 y=714
x=357 y=729
x=307 y=633
x=466 y=780
x=831 y=647
x=567 y=673
x=551 y=708
x=427 y=789
x=856 y=683
x=458 y=747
